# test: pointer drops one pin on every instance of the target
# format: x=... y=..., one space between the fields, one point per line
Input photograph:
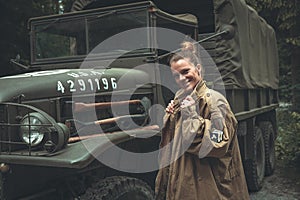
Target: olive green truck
x=83 y=120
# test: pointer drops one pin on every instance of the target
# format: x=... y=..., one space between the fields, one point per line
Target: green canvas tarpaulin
x=250 y=59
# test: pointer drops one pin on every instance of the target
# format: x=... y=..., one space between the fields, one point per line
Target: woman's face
x=186 y=74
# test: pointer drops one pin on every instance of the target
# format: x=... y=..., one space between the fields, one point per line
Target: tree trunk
x=295 y=69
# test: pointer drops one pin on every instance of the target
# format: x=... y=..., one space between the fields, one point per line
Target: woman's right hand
x=170 y=107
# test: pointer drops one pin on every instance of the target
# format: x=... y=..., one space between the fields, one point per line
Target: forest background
x=282 y=15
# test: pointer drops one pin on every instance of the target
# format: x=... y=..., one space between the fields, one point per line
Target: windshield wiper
x=91 y=18
x=106 y=14
x=48 y=25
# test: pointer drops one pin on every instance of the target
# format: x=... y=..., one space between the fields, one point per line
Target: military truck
x=83 y=118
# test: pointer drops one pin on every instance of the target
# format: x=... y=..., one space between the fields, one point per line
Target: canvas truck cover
x=250 y=59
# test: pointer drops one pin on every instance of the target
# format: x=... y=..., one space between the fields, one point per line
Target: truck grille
x=102 y=115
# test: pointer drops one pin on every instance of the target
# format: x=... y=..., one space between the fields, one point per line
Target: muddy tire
x=119 y=188
x=79 y=5
x=269 y=139
x=255 y=168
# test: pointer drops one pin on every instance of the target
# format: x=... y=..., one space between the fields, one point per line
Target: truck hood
x=66 y=82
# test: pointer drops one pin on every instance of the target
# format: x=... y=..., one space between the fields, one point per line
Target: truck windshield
x=73 y=36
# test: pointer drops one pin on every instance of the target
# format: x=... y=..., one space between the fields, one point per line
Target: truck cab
x=91 y=99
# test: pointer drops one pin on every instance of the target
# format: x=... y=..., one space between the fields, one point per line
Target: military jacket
x=195 y=162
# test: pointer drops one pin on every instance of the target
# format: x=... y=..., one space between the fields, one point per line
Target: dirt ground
x=284 y=184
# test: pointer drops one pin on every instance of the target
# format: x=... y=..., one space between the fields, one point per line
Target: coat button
x=207 y=94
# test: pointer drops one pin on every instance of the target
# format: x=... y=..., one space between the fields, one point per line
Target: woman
x=200 y=157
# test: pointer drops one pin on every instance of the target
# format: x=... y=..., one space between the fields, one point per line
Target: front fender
x=80 y=154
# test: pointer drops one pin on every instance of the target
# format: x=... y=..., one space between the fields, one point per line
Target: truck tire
x=79 y=5
x=269 y=139
x=119 y=188
x=255 y=168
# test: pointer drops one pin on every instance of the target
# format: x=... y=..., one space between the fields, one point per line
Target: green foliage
x=284 y=11
x=285 y=83
x=66 y=5
x=288 y=139
x=293 y=40
x=285 y=86
x=283 y=15
x=14 y=33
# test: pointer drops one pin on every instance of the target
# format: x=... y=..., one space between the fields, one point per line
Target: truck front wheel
x=119 y=188
x=255 y=167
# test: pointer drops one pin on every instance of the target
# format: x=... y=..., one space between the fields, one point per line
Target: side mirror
x=17 y=62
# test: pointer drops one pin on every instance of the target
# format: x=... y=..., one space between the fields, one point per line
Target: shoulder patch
x=216 y=135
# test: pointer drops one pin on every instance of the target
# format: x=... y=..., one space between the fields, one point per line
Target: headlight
x=32 y=129
x=39 y=130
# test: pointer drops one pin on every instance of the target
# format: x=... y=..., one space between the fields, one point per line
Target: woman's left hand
x=188 y=101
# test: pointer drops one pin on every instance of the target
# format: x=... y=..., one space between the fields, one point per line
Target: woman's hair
x=188 y=51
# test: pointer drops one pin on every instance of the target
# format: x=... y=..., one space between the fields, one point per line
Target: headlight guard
x=35 y=129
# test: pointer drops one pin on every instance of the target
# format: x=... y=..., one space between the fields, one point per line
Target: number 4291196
x=81 y=85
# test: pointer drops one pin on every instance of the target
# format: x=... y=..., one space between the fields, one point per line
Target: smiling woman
x=186 y=74
x=198 y=139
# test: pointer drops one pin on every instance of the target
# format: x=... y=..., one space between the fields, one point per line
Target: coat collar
x=198 y=92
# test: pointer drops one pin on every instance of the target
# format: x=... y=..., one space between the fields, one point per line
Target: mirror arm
x=19 y=64
x=227 y=33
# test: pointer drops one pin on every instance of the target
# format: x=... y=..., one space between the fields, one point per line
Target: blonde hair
x=188 y=46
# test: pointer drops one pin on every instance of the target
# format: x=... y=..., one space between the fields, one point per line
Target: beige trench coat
x=193 y=166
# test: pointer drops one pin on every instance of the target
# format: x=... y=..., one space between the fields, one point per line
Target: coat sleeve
x=198 y=137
